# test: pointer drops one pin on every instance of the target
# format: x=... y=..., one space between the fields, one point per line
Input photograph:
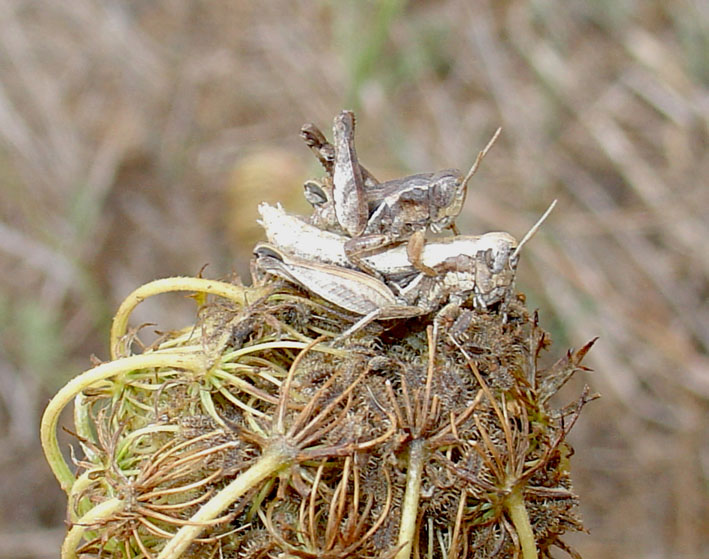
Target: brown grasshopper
x=377 y=215
x=486 y=274
x=301 y=239
x=365 y=295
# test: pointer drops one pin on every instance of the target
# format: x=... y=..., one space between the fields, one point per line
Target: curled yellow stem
x=48 y=426
x=236 y=293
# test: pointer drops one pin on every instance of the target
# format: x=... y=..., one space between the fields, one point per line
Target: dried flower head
x=250 y=435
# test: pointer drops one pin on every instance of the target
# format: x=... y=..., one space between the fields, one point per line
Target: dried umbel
x=252 y=435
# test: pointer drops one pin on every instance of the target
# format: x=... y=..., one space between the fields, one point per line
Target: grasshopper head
x=450 y=196
x=447 y=197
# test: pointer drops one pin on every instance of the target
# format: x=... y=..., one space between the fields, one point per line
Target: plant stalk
x=80 y=527
x=410 y=504
x=520 y=519
x=270 y=462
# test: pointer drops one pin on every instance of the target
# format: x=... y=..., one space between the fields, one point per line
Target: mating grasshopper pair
x=353 y=255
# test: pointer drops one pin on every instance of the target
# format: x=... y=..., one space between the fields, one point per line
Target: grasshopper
x=301 y=239
x=486 y=274
x=378 y=215
x=365 y=295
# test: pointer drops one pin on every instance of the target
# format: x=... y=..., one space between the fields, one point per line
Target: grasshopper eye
x=489 y=259
x=446 y=188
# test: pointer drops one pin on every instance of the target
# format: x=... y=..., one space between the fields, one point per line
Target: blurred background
x=136 y=139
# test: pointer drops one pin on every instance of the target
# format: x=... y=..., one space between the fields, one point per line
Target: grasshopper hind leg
x=359 y=325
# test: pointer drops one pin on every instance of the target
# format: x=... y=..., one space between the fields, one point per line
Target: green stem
x=520 y=519
x=237 y=293
x=410 y=504
x=96 y=514
x=48 y=428
x=78 y=504
x=269 y=463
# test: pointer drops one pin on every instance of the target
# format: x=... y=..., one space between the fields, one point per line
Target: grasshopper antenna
x=480 y=157
x=533 y=230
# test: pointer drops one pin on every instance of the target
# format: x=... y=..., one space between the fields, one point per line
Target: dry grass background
x=137 y=137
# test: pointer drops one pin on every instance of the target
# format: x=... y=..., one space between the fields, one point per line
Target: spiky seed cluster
x=248 y=436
